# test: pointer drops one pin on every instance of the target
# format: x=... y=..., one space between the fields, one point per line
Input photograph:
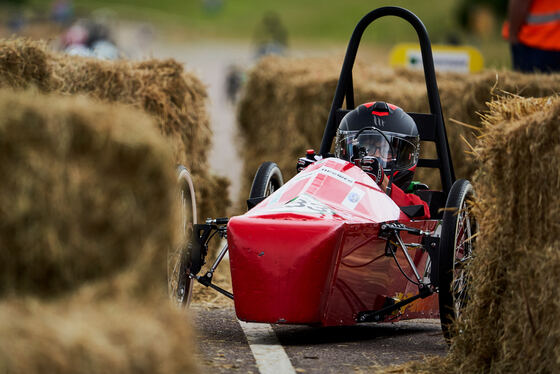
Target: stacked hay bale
x=71 y=337
x=511 y=324
x=77 y=196
x=86 y=219
x=517 y=267
x=287 y=101
x=174 y=98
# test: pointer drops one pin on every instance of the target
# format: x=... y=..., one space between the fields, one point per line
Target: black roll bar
x=344 y=88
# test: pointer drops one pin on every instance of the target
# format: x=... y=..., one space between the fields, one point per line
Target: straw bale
x=282 y=113
x=286 y=104
x=87 y=193
x=175 y=98
x=287 y=101
x=107 y=337
x=518 y=256
x=23 y=64
x=511 y=322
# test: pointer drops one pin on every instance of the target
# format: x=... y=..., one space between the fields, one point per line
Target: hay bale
x=175 y=98
x=466 y=100
x=300 y=91
x=87 y=215
x=282 y=113
x=511 y=324
x=517 y=267
x=23 y=64
x=87 y=193
x=287 y=101
x=115 y=337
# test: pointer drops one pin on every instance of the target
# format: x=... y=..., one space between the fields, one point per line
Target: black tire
x=456 y=248
x=179 y=283
x=267 y=180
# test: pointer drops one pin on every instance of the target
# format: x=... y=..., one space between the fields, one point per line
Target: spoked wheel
x=458 y=236
x=267 y=180
x=178 y=266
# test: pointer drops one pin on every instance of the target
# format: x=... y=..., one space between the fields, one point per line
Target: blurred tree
x=480 y=17
x=498 y=7
x=271 y=36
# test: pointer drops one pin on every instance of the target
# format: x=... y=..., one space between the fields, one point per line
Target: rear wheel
x=179 y=258
x=267 y=180
x=458 y=235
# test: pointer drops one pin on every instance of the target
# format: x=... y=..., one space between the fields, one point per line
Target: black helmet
x=381 y=130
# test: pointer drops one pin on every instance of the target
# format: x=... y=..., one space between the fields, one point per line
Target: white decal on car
x=353 y=198
x=302 y=204
x=336 y=174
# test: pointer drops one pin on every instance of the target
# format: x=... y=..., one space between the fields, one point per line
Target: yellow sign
x=462 y=59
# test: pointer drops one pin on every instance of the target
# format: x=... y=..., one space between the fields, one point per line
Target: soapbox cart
x=330 y=247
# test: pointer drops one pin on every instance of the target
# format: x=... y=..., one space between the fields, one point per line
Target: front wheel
x=267 y=180
x=179 y=258
x=458 y=235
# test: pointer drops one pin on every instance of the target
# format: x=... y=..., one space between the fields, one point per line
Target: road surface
x=224 y=348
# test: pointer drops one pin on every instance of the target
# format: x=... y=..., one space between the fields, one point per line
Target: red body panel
x=310 y=252
x=284 y=280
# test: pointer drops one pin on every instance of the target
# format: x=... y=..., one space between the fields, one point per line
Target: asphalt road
x=223 y=345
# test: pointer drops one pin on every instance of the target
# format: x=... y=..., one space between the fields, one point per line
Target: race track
x=224 y=348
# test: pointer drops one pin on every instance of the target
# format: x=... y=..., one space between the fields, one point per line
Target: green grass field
x=306 y=21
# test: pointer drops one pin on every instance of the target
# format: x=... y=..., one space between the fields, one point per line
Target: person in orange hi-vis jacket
x=533 y=30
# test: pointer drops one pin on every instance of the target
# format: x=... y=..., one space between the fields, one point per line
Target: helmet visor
x=394 y=151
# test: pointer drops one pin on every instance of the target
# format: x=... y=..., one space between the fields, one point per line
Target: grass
x=308 y=22
x=304 y=19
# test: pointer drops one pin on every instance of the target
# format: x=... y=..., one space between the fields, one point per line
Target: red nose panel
x=311 y=253
x=282 y=270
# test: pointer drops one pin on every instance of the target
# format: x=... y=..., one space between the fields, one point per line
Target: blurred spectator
x=105 y=50
x=97 y=32
x=62 y=11
x=90 y=39
x=271 y=37
x=533 y=30
x=77 y=34
x=468 y=12
x=234 y=81
x=16 y=21
x=79 y=50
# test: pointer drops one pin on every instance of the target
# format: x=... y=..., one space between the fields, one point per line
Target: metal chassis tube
x=206 y=279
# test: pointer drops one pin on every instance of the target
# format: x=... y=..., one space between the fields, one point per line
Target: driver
x=382 y=139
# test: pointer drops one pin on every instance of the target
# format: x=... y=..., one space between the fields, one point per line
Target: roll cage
x=431 y=125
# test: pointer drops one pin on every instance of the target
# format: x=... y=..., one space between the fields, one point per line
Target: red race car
x=331 y=247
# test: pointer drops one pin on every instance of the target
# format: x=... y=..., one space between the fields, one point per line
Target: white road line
x=269 y=354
